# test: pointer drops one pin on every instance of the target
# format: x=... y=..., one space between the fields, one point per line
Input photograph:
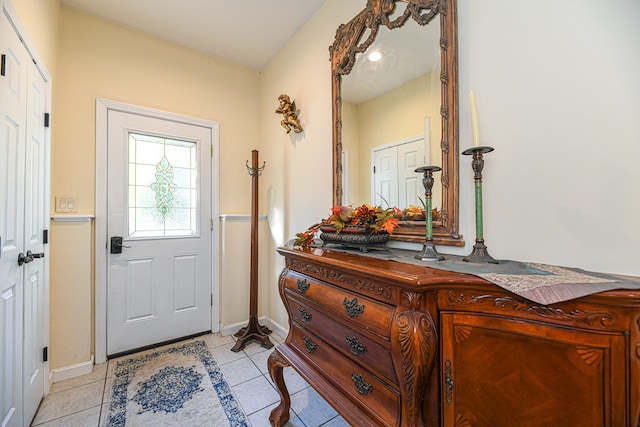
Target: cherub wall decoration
x=290 y=117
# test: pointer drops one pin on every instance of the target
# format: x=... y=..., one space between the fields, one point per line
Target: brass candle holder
x=479 y=253
x=429 y=252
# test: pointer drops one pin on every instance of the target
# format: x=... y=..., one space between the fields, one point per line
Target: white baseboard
x=276 y=328
x=72 y=371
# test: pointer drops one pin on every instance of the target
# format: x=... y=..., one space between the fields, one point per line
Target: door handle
x=24 y=259
x=32 y=255
x=116 y=245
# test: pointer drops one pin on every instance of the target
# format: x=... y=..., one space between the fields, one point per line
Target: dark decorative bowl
x=355 y=237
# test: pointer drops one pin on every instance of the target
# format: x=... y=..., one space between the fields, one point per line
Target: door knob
x=32 y=255
x=24 y=259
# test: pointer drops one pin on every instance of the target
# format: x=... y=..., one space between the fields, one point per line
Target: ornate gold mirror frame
x=350 y=40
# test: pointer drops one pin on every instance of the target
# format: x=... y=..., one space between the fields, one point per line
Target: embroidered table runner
x=542 y=283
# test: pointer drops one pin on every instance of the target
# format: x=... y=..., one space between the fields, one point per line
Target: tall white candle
x=474 y=119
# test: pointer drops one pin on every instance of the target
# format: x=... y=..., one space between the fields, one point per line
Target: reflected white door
x=410 y=157
x=385 y=177
x=395 y=182
x=159 y=202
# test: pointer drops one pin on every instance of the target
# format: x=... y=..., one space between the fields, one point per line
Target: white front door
x=159 y=202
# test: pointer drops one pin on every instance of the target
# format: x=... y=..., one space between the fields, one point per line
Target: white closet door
x=395 y=181
x=385 y=177
x=410 y=188
x=23 y=306
x=13 y=93
x=34 y=224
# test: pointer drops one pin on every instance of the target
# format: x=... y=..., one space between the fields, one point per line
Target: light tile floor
x=82 y=401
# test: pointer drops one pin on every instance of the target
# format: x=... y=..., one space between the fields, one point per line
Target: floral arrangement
x=373 y=218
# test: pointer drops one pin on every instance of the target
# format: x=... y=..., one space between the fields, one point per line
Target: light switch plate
x=61 y=204
x=66 y=204
x=72 y=204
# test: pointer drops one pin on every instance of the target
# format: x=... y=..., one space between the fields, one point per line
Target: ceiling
x=246 y=32
x=407 y=54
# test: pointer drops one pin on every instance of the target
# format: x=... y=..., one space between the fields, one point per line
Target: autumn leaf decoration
x=374 y=218
x=305 y=239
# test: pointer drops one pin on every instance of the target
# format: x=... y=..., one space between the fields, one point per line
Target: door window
x=163 y=187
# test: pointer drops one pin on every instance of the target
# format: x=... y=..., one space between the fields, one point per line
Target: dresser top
x=420 y=277
x=361 y=264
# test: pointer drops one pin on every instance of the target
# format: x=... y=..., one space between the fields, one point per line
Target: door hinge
x=2 y=64
x=374 y=169
x=45 y=236
x=211 y=225
x=46 y=120
x=45 y=354
x=211 y=300
x=211 y=150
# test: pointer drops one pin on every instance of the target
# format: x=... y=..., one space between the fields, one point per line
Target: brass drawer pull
x=353 y=308
x=355 y=346
x=362 y=386
x=305 y=316
x=309 y=345
x=303 y=285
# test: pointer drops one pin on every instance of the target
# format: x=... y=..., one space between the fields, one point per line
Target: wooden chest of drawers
x=393 y=344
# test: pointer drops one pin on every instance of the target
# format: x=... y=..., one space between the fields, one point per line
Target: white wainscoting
x=71 y=296
x=235 y=269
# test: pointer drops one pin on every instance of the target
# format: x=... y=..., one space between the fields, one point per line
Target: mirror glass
x=397 y=112
x=391 y=117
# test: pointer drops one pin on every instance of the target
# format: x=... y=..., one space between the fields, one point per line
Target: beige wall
x=394 y=116
x=71 y=296
x=297 y=182
x=353 y=191
x=235 y=277
x=100 y=59
x=40 y=19
x=560 y=107
x=557 y=97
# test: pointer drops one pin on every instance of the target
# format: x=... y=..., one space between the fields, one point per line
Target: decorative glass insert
x=163 y=187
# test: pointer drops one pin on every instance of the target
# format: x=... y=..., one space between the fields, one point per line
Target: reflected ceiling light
x=375 y=56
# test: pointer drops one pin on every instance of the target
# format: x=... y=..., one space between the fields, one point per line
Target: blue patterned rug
x=180 y=385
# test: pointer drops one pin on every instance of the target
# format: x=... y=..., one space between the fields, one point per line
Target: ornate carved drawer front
x=358 y=347
x=349 y=377
x=365 y=312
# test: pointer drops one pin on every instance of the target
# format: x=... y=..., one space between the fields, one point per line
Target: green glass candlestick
x=479 y=253
x=429 y=252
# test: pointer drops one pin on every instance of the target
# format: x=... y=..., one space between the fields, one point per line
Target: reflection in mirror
x=399 y=112
x=390 y=112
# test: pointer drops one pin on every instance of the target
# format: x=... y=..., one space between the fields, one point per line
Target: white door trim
x=103 y=106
